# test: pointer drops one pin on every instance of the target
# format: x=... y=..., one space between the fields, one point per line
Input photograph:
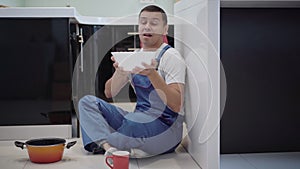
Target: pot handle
x=69 y=145
x=19 y=144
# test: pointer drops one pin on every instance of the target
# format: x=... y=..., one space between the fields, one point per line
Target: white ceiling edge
x=260 y=3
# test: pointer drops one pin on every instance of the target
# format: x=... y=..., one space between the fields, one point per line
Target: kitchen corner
x=56 y=45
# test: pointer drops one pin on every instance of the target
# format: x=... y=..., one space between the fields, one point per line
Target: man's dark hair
x=153 y=8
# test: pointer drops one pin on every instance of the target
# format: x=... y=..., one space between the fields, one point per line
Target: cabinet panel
x=262 y=72
x=35 y=72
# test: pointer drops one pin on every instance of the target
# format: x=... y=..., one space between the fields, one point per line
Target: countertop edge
x=64 y=12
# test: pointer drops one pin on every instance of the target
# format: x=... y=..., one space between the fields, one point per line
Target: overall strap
x=161 y=54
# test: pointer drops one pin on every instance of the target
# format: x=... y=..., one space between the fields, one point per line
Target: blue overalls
x=152 y=127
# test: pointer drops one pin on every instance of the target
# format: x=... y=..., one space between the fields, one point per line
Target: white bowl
x=129 y=60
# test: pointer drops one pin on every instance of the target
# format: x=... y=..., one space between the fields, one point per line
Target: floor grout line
x=25 y=164
x=191 y=156
x=244 y=158
x=137 y=163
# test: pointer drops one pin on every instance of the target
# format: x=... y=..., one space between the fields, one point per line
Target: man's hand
x=147 y=70
x=117 y=81
x=119 y=69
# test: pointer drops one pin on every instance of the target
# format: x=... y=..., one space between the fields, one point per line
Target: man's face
x=151 y=29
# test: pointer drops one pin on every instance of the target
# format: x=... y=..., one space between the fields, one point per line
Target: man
x=155 y=126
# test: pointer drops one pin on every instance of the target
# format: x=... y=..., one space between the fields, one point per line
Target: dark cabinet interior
x=35 y=72
x=260 y=54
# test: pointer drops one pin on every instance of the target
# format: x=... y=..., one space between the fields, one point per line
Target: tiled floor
x=12 y=157
x=289 y=160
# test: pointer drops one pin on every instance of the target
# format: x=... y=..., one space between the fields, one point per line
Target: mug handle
x=106 y=161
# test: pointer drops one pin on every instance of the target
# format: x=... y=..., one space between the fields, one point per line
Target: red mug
x=120 y=160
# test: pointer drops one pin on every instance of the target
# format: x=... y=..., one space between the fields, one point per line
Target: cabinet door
x=35 y=71
x=117 y=38
x=262 y=106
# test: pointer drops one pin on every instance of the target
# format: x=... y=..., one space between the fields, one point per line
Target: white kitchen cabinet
x=197 y=38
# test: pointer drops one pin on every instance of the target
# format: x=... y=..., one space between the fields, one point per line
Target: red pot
x=45 y=150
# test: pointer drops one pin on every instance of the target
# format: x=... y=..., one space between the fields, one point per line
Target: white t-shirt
x=172 y=66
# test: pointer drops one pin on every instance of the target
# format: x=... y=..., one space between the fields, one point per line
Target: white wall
x=15 y=3
x=197 y=38
x=101 y=8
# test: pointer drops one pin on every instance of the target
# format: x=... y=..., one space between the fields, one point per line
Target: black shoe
x=94 y=148
x=98 y=150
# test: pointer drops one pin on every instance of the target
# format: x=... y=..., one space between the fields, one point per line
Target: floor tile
x=76 y=162
x=13 y=162
x=168 y=161
x=274 y=160
x=12 y=157
x=234 y=161
x=12 y=150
